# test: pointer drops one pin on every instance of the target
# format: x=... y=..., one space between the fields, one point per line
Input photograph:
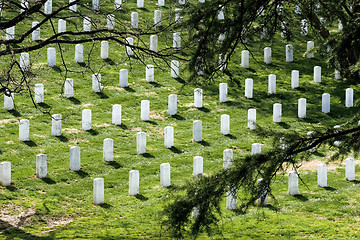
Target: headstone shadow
x=175 y=150
x=301 y=197
x=152 y=122
x=44 y=105
x=129 y=89
x=48 y=180
x=109 y=61
x=204 y=109
x=102 y=95
x=204 y=143
x=62 y=138
x=11 y=188
x=15 y=113
x=81 y=173
x=30 y=143
x=230 y=136
x=93 y=132
x=148 y=155
x=331 y=189
x=284 y=125
x=155 y=84
x=177 y=117
x=74 y=100
x=105 y=205
x=141 y=197
x=114 y=164
x=123 y=126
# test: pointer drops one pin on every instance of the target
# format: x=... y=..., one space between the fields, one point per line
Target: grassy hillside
x=60 y=206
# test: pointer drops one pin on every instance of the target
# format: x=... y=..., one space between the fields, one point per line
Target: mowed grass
x=60 y=206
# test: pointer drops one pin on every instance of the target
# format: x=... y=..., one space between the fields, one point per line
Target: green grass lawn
x=61 y=206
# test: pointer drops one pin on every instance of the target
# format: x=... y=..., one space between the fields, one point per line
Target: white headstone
x=222 y=62
x=198 y=166
x=325 y=103
x=255 y=148
x=297 y=9
x=118 y=4
x=24 y=61
x=39 y=93
x=277 y=112
x=96 y=82
x=24 y=6
x=337 y=74
x=221 y=15
x=317 y=74
x=51 y=57
x=227 y=158
x=75 y=158
x=150 y=73
x=133 y=182
x=289 y=53
x=130 y=42
x=116 y=114
x=176 y=41
x=340 y=26
x=61 y=26
x=294 y=79
x=140 y=3
x=304 y=27
x=41 y=166
x=9 y=102
x=141 y=142
x=169 y=137
x=178 y=17
x=98 y=191
x=309 y=135
x=222 y=37
x=5 y=174
x=56 y=125
x=249 y=88
x=174 y=68
x=322 y=175
x=145 y=110
x=302 y=108
x=161 y=3
x=135 y=20
x=24 y=130
x=181 y=2
x=108 y=150
x=69 y=88
x=10 y=33
x=223 y=92
x=36 y=33
x=72 y=7
x=123 y=78
x=349 y=97
x=310 y=48
x=197 y=130
x=252 y=118
x=154 y=43
x=350 y=169
x=110 y=21
x=293 y=183
x=231 y=199
x=86 y=119
x=172 y=104
x=337 y=143
x=96 y=5
x=263 y=196
x=48 y=7
x=272 y=84
x=198 y=94
x=245 y=59
x=79 y=53
x=267 y=55
x=87 y=24
x=157 y=18
x=165 y=175
x=225 y=124
x=104 y=54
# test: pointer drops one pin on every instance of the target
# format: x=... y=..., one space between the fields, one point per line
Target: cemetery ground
x=61 y=205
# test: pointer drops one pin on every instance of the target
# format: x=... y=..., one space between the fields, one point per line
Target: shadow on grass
x=109 y=61
x=44 y=105
x=48 y=180
x=30 y=143
x=81 y=173
x=284 y=125
x=271 y=207
x=176 y=187
x=56 y=69
x=155 y=84
x=11 y=232
x=105 y=205
x=204 y=109
x=152 y=122
x=11 y=188
x=102 y=95
x=204 y=143
x=331 y=189
x=175 y=150
x=148 y=155
x=230 y=136
x=177 y=117
x=355 y=181
x=93 y=132
x=180 y=80
x=115 y=164
x=62 y=138
x=319 y=154
x=15 y=113
x=141 y=197
x=74 y=100
x=129 y=89
x=82 y=64
x=301 y=197
x=123 y=126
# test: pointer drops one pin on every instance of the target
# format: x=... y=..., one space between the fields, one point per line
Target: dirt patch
x=78 y=140
x=313 y=165
x=156 y=115
x=7 y=121
x=72 y=130
x=102 y=125
x=87 y=105
x=137 y=129
x=150 y=93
